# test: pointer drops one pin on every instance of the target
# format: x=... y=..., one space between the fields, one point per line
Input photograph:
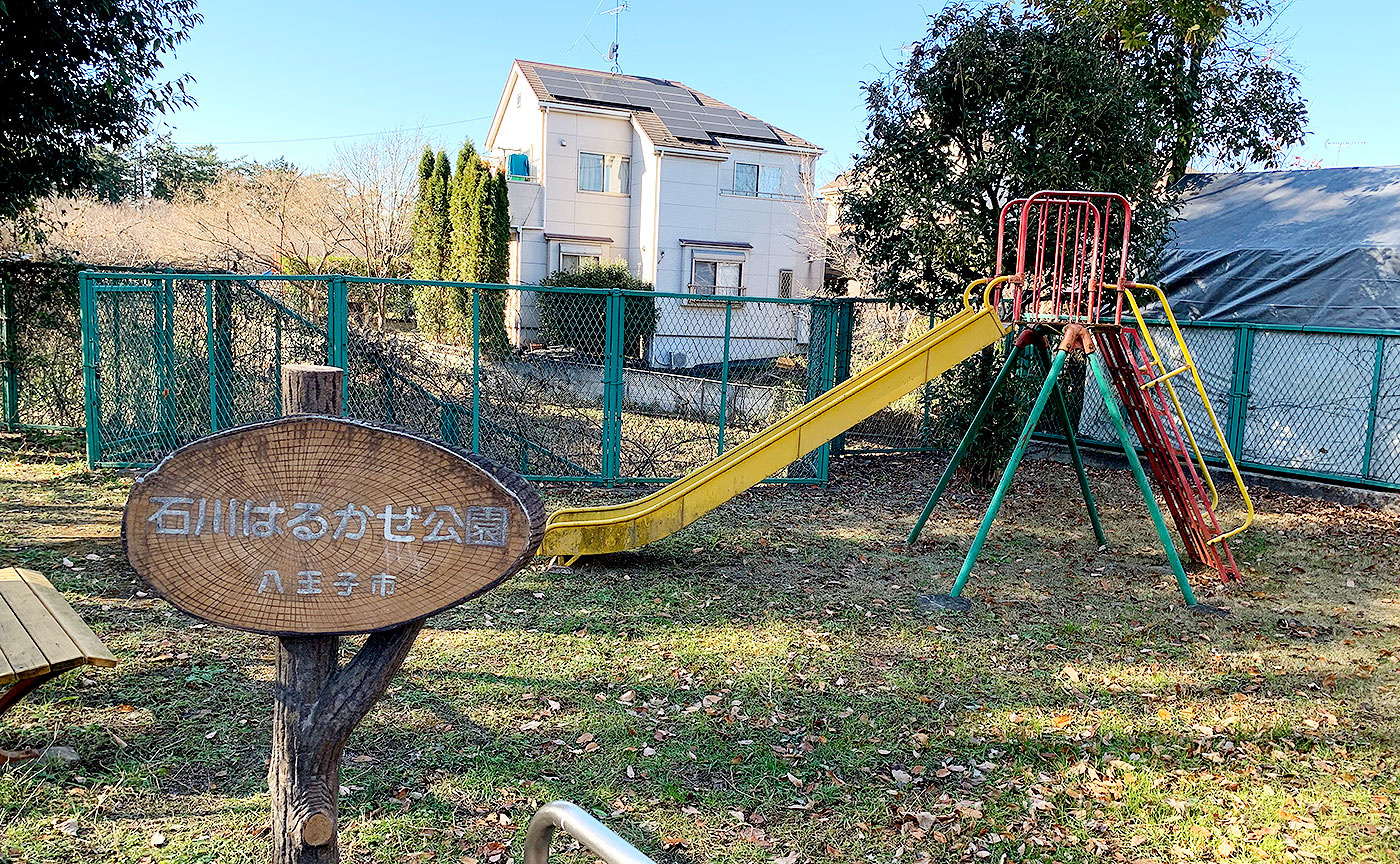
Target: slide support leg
x=999 y=496
x=1073 y=441
x=966 y=443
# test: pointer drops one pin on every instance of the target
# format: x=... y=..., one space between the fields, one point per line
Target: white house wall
x=589 y=214
x=697 y=205
x=673 y=196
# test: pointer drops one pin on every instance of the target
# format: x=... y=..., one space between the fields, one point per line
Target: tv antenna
x=615 y=50
x=1339 y=145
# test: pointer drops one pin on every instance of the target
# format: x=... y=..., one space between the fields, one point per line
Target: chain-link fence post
x=218 y=314
x=821 y=370
x=1374 y=405
x=92 y=410
x=476 y=370
x=845 y=310
x=612 y=385
x=724 y=375
x=338 y=330
x=163 y=302
x=1239 y=390
x=9 y=356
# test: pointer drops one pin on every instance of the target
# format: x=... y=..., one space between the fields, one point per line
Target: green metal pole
x=1073 y=441
x=1375 y=402
x=9 y=355
x=1115 y=414
x=999 y=496
x=612 y=387
x=965 y=444
x=211 y=355
x=92 y=408
x=841 y=353
x=476 y=371
x=158 y=359
x=724 y=376
x=1239 y=390
x=338 y=334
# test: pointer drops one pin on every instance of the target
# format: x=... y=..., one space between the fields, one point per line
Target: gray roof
x=672 y=114
x=1310 y=248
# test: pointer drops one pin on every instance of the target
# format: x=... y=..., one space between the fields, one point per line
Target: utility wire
x=338 y=137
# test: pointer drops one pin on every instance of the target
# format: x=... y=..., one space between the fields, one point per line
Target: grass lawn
x=762 y=688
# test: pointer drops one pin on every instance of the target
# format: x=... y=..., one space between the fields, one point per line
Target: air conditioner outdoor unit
x=680 y=360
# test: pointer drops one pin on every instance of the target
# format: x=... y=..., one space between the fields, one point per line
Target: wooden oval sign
x=318 y=525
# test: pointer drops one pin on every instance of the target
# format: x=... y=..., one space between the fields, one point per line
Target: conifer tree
x=462 y=206
x=479 y=232
x=491 y=250
x=434 y=308
x=422 y=220
x=441 y=214
x=500 y=231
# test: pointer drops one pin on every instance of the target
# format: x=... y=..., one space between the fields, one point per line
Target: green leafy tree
x=182 y=172
x=992 y=104
x=499 y=269
x=78 y=77
x=478 y=252
x=1219 y=81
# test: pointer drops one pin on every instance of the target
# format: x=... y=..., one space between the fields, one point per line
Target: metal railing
x=578 y=824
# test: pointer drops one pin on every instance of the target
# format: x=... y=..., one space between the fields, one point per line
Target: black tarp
x=1288 y=248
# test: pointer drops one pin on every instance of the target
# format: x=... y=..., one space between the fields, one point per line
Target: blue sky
x=267 y=72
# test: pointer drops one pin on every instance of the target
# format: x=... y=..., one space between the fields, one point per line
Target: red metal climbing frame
x=1070 y=267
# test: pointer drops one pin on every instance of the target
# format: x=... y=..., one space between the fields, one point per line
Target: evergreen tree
x=441 y=189
x=494 y=259
x=435 y=311
x=479 y=233
x=422 y=218
x=462 y=207
x=500 y=231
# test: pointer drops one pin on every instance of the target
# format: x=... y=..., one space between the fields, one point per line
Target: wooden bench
x=40 y=635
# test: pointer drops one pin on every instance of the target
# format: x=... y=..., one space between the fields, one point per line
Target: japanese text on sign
x=188 y=516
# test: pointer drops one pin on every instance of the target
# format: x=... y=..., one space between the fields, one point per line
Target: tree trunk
x=318 y=704
x=303 y=776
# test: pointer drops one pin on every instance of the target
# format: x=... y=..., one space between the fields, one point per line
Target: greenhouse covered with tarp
x=1290 y=284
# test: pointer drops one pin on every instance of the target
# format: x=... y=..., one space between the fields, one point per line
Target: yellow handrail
x=1201 y=389
x=1176 y=401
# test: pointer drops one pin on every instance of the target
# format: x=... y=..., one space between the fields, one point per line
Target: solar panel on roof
x=685 y=114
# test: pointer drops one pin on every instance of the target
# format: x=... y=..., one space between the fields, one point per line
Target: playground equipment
x=1066 y=244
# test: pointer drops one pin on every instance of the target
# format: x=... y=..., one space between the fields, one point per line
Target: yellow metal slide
x=579 y=531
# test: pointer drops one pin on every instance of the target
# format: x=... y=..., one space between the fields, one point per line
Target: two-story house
x=697 y=197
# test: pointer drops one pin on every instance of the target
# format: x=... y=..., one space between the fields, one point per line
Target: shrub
x=580 y=320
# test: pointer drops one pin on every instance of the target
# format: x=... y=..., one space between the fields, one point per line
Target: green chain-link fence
x=613 y=387
x=587 y=385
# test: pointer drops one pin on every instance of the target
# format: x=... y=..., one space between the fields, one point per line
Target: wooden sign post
x=314 y=527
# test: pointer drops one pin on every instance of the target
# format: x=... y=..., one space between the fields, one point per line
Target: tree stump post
x=313 y=527
x=317 y=703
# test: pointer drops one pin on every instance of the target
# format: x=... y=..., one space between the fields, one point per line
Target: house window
x=722 y=278
x=601 y=172
x=758 y=181
x=785 y=283
x=575 y=260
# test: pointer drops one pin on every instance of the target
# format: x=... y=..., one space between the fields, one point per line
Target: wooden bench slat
x=75 y=627
x=7 y=672
x=22 y=656
x=46 y=632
